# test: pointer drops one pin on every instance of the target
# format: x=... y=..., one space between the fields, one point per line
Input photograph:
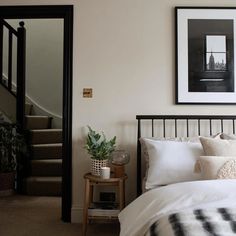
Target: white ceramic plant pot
x=96 y=166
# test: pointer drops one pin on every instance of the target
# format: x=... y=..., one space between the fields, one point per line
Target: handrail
x=10 y=28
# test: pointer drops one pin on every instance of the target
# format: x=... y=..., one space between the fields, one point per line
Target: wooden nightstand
x=90 y=182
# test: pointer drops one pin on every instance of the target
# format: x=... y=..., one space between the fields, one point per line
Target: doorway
x=64 y=12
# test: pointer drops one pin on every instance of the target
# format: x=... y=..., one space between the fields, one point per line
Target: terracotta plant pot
x=7 y=183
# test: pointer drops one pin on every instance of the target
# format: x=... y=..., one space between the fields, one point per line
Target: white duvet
x=136 y=218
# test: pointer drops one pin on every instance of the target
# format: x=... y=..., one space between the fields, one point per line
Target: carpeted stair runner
x=41 y=136
x=46 y=157
x=46 y=167
x=46 y=151
x=28 y=108
x=38 y=122
x=43 y=186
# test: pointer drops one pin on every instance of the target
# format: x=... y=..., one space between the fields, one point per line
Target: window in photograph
x=216 y=53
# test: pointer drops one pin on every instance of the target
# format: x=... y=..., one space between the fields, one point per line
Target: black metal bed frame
x=175 y=118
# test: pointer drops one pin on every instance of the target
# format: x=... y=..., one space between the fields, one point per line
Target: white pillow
x=218 y=167
x=171 y=162
x=144 y=151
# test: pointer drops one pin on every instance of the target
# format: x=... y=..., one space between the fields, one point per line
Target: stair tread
x=45 y=130
x=43 y=185
x=47 y=145
x=46 y=151
x=37 y=116
x=59 y=160
x=44 y=179
x=44 y=136
x=46 y=167
x=37 y=122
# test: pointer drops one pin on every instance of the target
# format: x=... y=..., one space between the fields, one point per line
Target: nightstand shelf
x=102 y=213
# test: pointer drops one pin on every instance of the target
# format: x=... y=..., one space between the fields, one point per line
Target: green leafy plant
x=11 y=143
x=97 y=145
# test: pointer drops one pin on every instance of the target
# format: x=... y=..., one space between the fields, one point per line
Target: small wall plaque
x=87 y=92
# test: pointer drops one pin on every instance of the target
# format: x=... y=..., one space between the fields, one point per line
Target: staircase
x=45 y=156
x=45 y=174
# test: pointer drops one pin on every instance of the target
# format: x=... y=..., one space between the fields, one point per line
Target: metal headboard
x=175 y=119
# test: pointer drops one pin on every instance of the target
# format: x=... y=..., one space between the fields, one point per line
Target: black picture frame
x=205 y=55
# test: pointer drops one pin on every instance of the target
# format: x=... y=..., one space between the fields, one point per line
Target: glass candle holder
x=118 y=160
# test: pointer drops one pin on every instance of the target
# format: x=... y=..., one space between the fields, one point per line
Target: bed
x=186 y=170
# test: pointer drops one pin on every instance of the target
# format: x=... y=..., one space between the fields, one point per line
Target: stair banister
x=9 y=84
x=1 y=49
x=21 y=59
x=11 y=32
x=20 y=35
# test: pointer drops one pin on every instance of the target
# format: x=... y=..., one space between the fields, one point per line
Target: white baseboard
x=76 y=214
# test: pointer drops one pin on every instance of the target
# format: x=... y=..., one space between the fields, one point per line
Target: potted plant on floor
x=99 y=149
x=11 y=143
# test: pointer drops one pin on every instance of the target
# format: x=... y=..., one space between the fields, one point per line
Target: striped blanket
x=198 y=222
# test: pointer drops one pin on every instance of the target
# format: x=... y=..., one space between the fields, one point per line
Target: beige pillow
x=218 y=167
x=197 y=167
x=228 y=136
x=218 y=147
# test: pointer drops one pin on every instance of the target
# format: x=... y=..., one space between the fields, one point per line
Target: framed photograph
x=205 y=50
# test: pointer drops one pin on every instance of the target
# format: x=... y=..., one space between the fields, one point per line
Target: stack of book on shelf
x=109 y=209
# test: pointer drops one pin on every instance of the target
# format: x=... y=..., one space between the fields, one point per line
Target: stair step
x=28 y=108
x=38 y=122
x=43 y=186
x=40 y=136
x=4 y=80
x=52 y=167
x=46 y=151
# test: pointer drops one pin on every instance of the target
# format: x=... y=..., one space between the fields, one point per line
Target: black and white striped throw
x=199 y=222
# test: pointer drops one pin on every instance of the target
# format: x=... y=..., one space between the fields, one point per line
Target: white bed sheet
x=136 y=218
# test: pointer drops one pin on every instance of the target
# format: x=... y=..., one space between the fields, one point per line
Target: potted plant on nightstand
x=99 y=149
x=11 y=143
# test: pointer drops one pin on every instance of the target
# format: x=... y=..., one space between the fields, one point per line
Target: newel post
x=21 y=60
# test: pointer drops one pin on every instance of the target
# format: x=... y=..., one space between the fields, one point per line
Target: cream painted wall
x=124 y=50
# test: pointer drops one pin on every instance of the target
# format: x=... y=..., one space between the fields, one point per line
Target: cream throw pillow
x=197 y=167
x=218 y=147
x=228 y=136
x=218 y=167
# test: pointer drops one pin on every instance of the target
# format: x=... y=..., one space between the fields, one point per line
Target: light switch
x=87 y=92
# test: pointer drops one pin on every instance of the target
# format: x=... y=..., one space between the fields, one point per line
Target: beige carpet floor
x=40 y=216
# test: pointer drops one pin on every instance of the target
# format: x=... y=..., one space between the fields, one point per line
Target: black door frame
x=65 y=12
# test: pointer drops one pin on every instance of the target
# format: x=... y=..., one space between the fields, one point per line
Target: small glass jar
x=118 y=160
x=120 y=157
